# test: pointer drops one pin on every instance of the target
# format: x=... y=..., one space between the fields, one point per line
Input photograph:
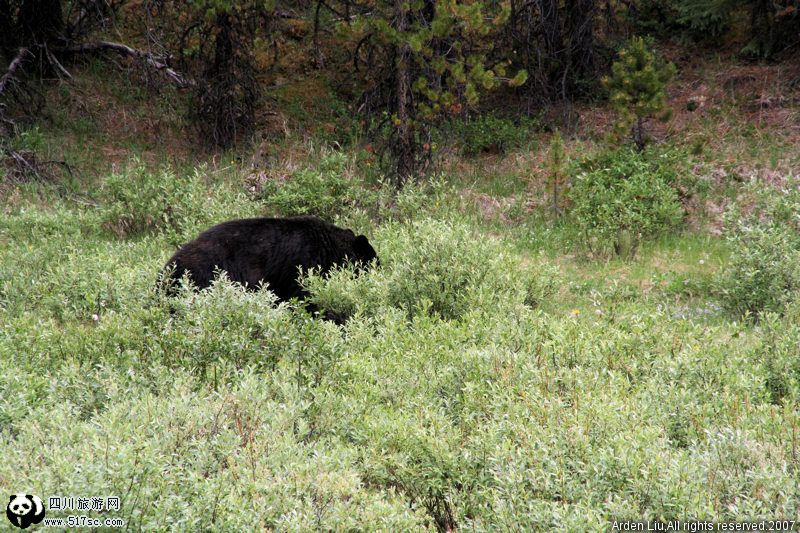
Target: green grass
x=491 y=377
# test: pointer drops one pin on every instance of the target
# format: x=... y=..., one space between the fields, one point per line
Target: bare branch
x=58 y=66
x=126 y=50
x=23 y=166
x=15 y=64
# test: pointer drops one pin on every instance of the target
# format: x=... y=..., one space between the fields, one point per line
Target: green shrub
x=226 y=412
x=60 y=267
x=622 y=197
x=488 y=133
x=328 y=191
x=763 y=272
x=434 y=266
x=705 y=20
x=437 y=269
x=227 y=325
x=778 y=353
x=136 y=201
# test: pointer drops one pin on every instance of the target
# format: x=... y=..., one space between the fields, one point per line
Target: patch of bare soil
x=491 y=207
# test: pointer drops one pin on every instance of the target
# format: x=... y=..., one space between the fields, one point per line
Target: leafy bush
x=778 y=352
x=228 y=412
x=438 y=269
x=763 y=272
x=327 y=191
x=227 y=325
x=435 y=266
x=655 y=17
x=58 y=267
x=488 y=133
x=137 y=201
x=621 y=197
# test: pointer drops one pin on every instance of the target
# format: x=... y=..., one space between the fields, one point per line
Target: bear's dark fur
x=269 y=250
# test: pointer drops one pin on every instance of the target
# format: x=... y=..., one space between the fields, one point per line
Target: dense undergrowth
x=488 y=378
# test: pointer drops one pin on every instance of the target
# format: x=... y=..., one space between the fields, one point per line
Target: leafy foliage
x=464 y=392
x=137 y=201
x=778 y=351
x=770 y=24
x=623 y=196
x=326 y=190
x=435 y=269
x=702 y=20
x=488 y=133
x=763 y=272
x=706 y=19
x=773 y=27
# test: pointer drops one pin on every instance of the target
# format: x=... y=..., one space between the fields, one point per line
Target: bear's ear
x=361 y=244
x=11 y=498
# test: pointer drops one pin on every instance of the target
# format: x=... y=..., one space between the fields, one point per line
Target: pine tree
x=436 y=54
x=637 y=88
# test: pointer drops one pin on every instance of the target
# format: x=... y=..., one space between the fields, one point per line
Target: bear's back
x=255 y=250
x=248 y=228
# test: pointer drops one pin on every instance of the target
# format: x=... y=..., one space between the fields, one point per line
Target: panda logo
x=24 y=510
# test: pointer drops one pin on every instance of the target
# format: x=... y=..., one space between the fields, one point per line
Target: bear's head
x=364 y=252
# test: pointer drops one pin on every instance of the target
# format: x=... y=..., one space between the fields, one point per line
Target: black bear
x=269 y=250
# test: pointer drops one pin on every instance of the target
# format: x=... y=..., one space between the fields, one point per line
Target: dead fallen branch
x=22 y=55
x=126 y=50
x=22 y=167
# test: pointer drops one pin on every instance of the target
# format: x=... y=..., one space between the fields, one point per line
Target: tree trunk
x=580 y=28
x=221 y=79
x=551 y=26
x=40 y=21
x=7 y=41
x=404 y=148
x=761 y=25
x=553 y=41
x=638 y=134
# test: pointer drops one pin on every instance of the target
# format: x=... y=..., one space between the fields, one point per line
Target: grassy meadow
x=503 y=369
